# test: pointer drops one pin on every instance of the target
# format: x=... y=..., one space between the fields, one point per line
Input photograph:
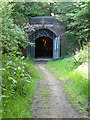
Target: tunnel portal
x=48 y=34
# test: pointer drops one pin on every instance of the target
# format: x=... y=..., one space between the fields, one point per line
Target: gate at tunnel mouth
x=44 y=47
x=47 y=45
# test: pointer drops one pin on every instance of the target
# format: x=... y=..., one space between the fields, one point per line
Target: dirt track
x=50 y=100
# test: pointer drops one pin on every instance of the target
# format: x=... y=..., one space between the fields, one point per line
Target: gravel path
x=50 y=100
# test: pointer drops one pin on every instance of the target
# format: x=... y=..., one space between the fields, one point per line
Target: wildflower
x=22 y=66
x=19 y=68
x=2 y=69
x=15 y=68
x=22 y=70
x=14 y=72
x=22 y=74
x=4 y=104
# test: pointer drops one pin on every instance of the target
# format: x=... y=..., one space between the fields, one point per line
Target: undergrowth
x=19 y=79
x=73 y=71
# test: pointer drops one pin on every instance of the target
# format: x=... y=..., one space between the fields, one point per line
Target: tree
x=76 y=20
x=80 y=23
x=13 y=37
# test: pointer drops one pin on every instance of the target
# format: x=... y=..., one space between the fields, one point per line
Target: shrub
x=81 y=56
x=15 y=75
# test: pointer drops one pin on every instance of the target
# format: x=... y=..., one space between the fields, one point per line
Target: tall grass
x=75 y=78
x=18 y=87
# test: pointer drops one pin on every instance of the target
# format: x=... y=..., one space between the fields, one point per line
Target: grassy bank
x=19 y=81
x=73 y=71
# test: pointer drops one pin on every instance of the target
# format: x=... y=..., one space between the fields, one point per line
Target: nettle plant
x=15 y=75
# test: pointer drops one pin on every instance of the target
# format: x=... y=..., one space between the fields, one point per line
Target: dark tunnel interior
x=44 y=47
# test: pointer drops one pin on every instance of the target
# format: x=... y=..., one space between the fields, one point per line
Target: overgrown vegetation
x=73 y=71
x=75 y=16
x=19 y=76
x=19 y=80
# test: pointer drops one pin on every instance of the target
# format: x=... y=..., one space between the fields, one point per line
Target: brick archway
x=46 y=27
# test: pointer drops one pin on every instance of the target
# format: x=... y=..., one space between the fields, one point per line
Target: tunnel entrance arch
x=47 y=44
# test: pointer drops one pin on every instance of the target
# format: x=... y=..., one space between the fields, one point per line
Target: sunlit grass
x=76 y=81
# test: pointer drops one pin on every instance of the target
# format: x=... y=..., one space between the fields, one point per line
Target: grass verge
x=76 y=82
x=18 y=105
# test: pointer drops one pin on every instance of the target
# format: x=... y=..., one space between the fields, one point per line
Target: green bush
x=16 y=75
x=81 y=56
x=19 y=79
x=19 y=76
